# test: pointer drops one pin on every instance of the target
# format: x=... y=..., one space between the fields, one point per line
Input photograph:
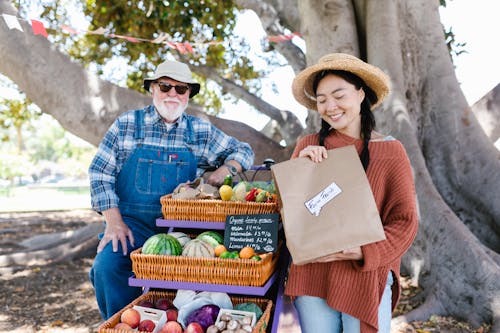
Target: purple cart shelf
x=190 y=224
x=226 y=288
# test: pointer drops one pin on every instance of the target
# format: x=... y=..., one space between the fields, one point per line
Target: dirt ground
x=51 y=298
x=60 y=298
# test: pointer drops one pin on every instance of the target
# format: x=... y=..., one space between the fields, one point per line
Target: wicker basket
x=243 y=272
x=260 y=326
x=211 y=210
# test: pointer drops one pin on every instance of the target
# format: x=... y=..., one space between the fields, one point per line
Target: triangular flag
x=188 y=47
x=160 y=39
x=69 y=29
x=99 y=31
x=180 y=47
x=12 y=22
x=130 y=39
x=38 y=28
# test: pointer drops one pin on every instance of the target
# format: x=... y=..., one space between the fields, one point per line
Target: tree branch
x=288 y=124
x=272 y=23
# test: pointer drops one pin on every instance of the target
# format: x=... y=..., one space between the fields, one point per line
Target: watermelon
x=162 y=244
x=211 y=237
x=181 y=237
x=198 y=248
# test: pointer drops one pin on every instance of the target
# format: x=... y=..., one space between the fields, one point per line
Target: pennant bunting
x=180 y=47
x=160 y=39
x=130 y=39
x=99 y=31
x=38 y=28
x=170 y=44
x=188 y=47
x=163 y=38
x=282 y=38
x=12 y=22
x=69 y=29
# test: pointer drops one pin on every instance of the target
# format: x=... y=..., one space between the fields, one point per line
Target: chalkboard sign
x=259 y=231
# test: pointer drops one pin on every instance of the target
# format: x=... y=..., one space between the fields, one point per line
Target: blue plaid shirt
x=210 y=146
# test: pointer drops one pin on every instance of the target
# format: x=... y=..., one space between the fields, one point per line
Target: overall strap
x=189 y=134
x=139 y=126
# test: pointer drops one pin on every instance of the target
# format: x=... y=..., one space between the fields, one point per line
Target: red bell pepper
x=251 y=195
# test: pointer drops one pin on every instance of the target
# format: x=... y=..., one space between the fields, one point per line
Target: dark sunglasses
x=165 y=87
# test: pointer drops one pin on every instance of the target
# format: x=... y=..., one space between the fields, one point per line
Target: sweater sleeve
x=398 y=211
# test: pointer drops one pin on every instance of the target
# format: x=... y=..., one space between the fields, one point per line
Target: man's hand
x=116 y=231
x=217 y=177
x=350 y=254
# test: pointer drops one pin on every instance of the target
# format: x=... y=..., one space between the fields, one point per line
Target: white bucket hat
x=177 y=71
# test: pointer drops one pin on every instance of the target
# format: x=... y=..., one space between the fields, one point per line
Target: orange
x=247 y=252
x=219 y=249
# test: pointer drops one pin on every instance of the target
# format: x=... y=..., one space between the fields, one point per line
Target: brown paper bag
x=326 y=207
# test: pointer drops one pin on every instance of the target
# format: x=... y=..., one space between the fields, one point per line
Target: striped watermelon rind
x=181 y=237
x=198 y=248
x=211 y=237
x=162 y=244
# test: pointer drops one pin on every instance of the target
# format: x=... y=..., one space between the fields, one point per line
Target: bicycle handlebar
x=266 y=165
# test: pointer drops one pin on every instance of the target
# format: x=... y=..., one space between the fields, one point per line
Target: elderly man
x=145 y=154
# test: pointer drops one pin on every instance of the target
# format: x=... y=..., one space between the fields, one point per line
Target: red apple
x=146 y=304
x=193 y=328
x=171 y=327
x=130 y=316
x=146 y=325
x=172 y=314
x=122 y=326
x=164 y=304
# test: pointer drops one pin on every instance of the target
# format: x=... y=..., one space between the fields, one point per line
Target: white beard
x=167 y=112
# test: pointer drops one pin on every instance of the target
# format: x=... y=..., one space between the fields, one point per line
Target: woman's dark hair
x=367 y=118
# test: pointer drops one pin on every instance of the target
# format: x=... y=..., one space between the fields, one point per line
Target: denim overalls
x=147 y=174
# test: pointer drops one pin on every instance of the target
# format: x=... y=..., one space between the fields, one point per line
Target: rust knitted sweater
x=356 y=287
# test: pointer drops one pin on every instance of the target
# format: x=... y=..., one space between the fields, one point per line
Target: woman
x=354 y=290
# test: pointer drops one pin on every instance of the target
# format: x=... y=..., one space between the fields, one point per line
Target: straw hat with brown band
x=374 y=77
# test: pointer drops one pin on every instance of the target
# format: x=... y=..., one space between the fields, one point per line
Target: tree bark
x=275 y=25
x=52 y=248
x=487 y=111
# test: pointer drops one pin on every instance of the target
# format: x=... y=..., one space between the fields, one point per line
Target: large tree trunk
x=456 y=167
x=487 y=111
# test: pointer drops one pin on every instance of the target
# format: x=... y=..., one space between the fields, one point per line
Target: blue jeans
x=315 y=315
x=109 y=276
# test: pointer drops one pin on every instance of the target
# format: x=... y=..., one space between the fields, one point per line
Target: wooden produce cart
x=237 y=277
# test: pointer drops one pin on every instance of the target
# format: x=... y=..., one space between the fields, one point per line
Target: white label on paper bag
x=315 y=204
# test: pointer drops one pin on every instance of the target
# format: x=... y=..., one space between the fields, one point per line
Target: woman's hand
x=315 y=153
x=350 y=254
